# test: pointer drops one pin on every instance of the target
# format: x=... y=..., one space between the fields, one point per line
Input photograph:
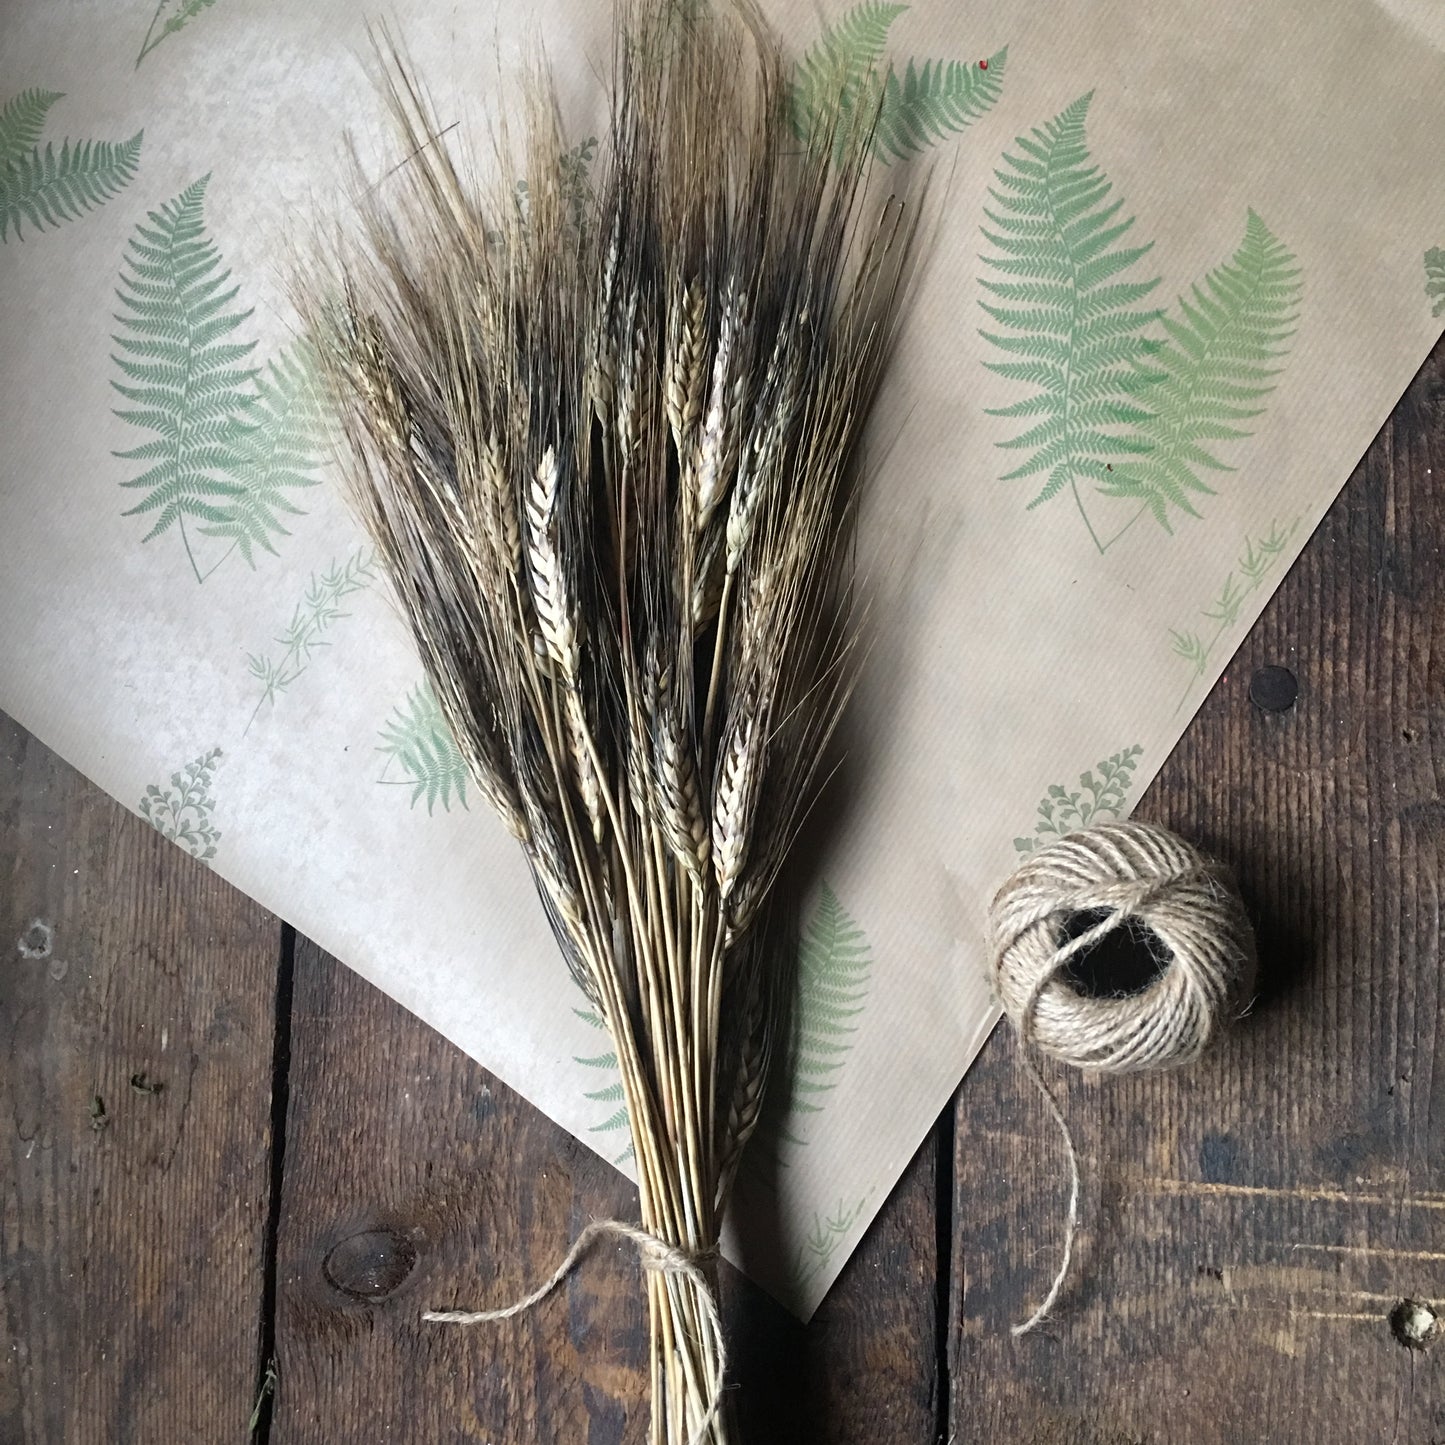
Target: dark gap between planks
x=280 y=1099
x=943 y=1183
x=267 y=1384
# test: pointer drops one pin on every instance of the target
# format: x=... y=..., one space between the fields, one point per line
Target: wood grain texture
x=866 y=1369
x=131 y=1240
x=1251 y=1222
x=415 y=1180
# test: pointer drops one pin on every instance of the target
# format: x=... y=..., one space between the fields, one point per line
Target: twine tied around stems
x=655 y=1254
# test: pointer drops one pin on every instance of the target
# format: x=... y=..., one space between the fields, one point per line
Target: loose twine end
x=1118 y=874
x=1071 y=1219
x=656 y=1254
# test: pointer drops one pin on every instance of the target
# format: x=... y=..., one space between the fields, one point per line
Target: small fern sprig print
x=229 y=441
x=1215 y=369
x=1067 y=312
x=1435 y=279
x=314 y=616
x=574 y=182
x=611 y=1094
x=169 y=16
x=184 y=811
x=821 y=1242
x=417 y=739
x=45 y=187
x=922 y=105
x=1097 y=798
x=1253 y=565
x=574 y=168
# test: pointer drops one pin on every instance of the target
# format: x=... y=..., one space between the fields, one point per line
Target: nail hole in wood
x=37 y=941
x=1414 y=1324
x=1273 y=689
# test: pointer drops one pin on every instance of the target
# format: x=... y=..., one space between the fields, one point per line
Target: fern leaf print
x=572 y=177
x=44 y=187
x=184 y=811
x=184 y=380
x=923 y=105
x=230 y=441
x=834 y=963
x=841 y=66
x=1098 y=798
x=417 y=739
x=610 y=1095
x=22 y=122
x=929 y=102
x=169 y=16
x=278 y=453
x=1066 y=298
x=1435 y=279
x=1215 y=370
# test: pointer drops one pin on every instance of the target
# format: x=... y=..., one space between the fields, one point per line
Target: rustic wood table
x=225 y=1150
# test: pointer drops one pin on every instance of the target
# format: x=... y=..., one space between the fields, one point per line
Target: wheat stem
x=585 y=432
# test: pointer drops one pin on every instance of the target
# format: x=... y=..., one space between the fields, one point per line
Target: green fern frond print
x=1097 y=798
x=1215 y=370
x=611 y=1095
x=1068 y=318
x=821 y=1243
x=229 y=441
x=840 y=67
x=843 y=72
x=416 y=737
x=1116 y=411
x=1435 y=279
x=929 y=102
x=278 y=453
x=834 y=963
x=185 y=382
x=22 y=121
x=45 y=188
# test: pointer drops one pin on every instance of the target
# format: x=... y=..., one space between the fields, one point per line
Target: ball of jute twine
x=1132 y=876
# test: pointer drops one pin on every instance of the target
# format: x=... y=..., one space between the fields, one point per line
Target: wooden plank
x=867 y=1368
x=1250 y=1223
x=133 y=1229
x=413 y=1179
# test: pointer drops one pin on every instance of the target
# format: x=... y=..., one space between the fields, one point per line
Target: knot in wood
x=370 y=1265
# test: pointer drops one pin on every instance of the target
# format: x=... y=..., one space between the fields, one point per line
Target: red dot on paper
x=983 y=65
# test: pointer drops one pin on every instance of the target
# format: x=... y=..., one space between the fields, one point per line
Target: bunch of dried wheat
x=604 y=439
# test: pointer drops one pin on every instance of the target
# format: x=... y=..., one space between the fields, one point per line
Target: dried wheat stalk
x=604 y=441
